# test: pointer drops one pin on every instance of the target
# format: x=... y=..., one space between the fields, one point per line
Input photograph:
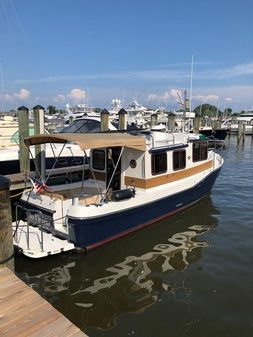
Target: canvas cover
x=90 y=140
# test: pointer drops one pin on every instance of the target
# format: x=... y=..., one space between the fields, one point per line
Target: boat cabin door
x=113 y=175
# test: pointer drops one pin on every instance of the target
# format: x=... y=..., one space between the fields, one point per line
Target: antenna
x=88 y=97
x=191 y=85
x=2 y=85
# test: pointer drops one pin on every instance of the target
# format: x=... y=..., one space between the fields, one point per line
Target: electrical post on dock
x=6 y=240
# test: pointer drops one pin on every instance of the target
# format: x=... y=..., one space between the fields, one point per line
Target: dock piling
x=23 y=124
x=6 y=241
x=154 y=120
x=104 y=120
x=39 y=128
x=122 y=119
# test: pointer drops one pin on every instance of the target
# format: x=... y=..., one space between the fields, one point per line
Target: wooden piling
x=6 y=241
x=196 y=124
x=243 y=132
x=23 y=124
x=39 y=128
x=154 y=119
x=171 y=122
x=239 y=132
x=122 y=119
x=104 y=120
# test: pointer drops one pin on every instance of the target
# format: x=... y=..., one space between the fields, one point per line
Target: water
x=190 y=275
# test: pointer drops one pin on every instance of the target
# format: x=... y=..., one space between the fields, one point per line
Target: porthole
x=133 y=163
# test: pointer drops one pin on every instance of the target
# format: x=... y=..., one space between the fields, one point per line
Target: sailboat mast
x=191 y=85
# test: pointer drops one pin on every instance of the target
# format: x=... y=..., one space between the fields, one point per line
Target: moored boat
x=134 y=181
x=214 y=133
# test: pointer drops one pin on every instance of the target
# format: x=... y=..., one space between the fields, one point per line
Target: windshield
x=83 y=126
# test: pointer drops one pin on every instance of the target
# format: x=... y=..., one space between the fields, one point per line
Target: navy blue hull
x=95 y=232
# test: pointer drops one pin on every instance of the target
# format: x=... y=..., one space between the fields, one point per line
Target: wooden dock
x=18 y=181
x=24 y=313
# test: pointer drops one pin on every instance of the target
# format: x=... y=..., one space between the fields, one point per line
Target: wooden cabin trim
x=167 y=178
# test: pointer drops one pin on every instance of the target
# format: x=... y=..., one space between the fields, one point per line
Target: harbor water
x=190 y=275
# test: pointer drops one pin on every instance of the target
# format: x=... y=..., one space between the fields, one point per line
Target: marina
x=126 y=151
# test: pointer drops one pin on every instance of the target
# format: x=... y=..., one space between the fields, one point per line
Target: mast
x=2 y=86
x=191 y=85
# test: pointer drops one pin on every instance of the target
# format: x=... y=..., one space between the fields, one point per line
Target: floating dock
x=24 y=313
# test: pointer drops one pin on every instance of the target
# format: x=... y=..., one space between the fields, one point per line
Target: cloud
x=77 y=95
x=228 y=99
x=22 y=95
x=8 y=97
x=236 y=71
x=207 y=98
x=60 y=98
x=167 y=73
x=167 y=97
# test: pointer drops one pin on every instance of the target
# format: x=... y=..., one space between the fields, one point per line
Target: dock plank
x=25 y=313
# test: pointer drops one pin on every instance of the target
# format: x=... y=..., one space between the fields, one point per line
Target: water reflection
x=94 y=290
x=139 y=281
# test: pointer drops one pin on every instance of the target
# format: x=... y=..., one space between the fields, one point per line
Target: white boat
x=134 y=181
x=245 y=120
x=8 y=126
x=9 y=155
x=184 y=120
x=79 y=111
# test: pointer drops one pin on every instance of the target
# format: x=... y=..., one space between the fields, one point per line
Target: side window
x=179 y=161
x=98 y=160
x=159 y=163
x=199 y=151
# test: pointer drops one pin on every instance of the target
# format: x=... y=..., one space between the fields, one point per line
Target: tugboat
x=135 y=179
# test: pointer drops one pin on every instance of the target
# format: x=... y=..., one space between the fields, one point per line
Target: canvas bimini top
x=91 y=140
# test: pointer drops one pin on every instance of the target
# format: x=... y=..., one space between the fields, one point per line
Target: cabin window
x=179 y=161
x=159 y=163
x=98 y=160
x=199 y=150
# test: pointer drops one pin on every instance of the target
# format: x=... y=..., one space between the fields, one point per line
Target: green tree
x=51 y=109
x=207 y=110
x=227 y=112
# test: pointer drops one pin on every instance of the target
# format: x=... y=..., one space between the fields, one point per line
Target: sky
x=58 y=52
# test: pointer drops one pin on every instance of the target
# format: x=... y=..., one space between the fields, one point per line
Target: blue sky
x=77 y=51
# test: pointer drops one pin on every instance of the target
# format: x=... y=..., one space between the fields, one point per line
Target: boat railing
x=33 y=217
x=166 y=142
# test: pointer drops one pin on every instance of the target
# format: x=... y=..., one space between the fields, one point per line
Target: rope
x=15 y=195
x=7 y=259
